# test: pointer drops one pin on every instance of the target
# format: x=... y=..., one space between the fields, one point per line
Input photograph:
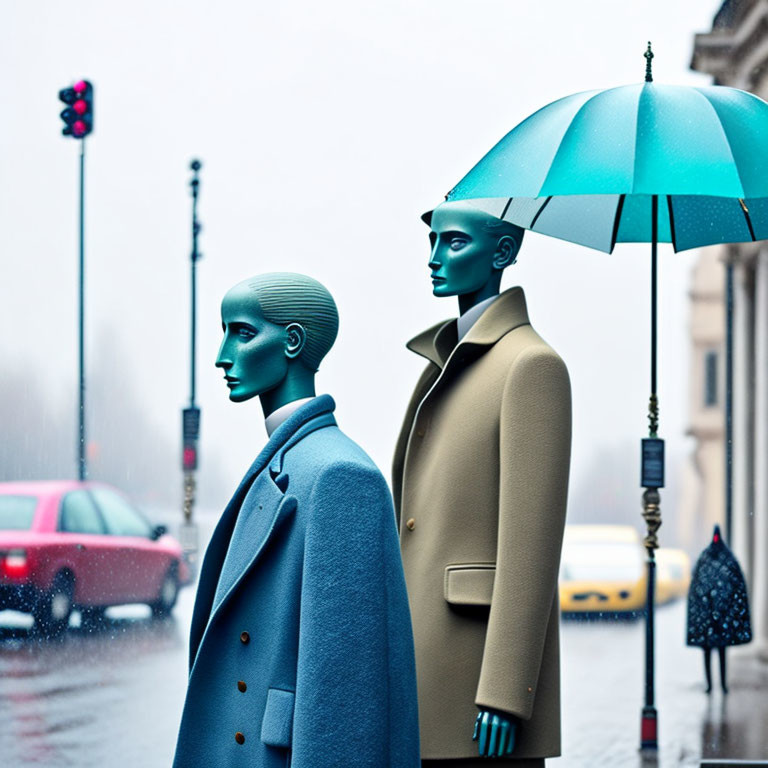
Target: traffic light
x=190 y=431
x=78 y=115
x=189 y=456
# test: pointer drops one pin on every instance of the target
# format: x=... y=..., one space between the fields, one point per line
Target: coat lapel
x=264 y=508
x=316 y=413
x=215 y=555
x=438 y=344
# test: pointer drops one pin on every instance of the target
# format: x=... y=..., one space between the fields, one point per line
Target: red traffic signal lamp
x=189 y=456
x=78 y=115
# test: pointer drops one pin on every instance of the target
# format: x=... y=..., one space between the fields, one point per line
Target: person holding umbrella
x=480 y=481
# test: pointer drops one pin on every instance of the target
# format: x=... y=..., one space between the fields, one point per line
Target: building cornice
x=706 y=432
x=735 y=55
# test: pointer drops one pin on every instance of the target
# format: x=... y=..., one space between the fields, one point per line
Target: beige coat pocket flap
x=469 y=584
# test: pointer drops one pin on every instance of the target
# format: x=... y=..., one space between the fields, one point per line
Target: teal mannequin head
x=470 y=251
x=277 y=329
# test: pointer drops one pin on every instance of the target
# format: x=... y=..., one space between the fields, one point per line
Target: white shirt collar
x=276 y=418
x=470 y=317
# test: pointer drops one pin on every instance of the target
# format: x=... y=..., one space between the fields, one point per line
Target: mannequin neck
x=469 y=300
x=298 y=384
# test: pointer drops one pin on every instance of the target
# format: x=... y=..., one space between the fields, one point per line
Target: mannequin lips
x=231 y=381
x=437 y=279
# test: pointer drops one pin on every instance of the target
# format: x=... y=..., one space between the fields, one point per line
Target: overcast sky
x=325 y=129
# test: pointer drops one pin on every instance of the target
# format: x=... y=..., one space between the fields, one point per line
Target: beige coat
x=480 y=483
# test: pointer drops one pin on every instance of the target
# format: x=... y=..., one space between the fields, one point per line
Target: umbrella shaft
x=653 y=414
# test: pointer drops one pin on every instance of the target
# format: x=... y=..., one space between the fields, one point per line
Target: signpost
x=190 y=416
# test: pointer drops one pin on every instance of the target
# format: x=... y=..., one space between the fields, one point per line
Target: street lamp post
x=652 y=478
x=729 y=395
x=191 y=414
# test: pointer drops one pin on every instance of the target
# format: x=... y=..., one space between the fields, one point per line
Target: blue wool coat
x=301 y=651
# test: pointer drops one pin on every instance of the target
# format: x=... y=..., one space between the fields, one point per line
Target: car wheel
x=53 y=608
x=92 y=617
x=169 y=591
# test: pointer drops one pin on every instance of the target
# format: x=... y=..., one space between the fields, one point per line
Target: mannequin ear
x=506 y=252
x=297 y=337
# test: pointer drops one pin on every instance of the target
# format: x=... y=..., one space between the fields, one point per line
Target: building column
x=743 y=347
x=760 y=466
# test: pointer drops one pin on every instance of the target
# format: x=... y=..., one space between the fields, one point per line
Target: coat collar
x=313 y=415
x=507 y=312
x=318 y=406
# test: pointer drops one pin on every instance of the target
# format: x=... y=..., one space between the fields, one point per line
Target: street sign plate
x=190 y=419
x=652 y=473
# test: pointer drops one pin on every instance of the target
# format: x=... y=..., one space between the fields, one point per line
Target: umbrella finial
x=648 y=56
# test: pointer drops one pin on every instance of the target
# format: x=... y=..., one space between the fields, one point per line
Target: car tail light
x=14 y=564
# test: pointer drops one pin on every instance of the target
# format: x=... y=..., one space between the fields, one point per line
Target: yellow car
x=602 y=570
x=673 y=575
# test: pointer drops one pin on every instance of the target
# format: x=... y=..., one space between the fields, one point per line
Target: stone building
x=735 y=53
x=703 y=494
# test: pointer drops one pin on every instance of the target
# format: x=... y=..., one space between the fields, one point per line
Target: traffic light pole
x=82 y=467
x=78 y=123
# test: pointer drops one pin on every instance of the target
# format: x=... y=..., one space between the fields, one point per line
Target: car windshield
x=17 y=512
x=601 y=561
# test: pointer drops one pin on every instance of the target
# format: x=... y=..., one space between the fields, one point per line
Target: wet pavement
x=113 y=696
x=603 y=689
x=107 y=697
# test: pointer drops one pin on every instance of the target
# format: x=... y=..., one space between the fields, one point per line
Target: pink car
x=65 y=545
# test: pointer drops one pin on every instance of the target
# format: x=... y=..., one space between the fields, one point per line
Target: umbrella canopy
x=586 y=167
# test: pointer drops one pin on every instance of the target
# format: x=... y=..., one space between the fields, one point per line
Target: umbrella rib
x=617 y=221
x=539 y=212
x=745 y=211
x=672 y=223
x=506 y=208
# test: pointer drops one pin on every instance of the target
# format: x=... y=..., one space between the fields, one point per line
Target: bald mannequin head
x=277 y=329
x=470 y=250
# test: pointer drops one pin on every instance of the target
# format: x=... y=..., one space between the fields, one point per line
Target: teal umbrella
x=587 y=167
x=638 y=163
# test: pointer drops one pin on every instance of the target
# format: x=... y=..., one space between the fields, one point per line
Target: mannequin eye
x=457 y=243
x=245 y=333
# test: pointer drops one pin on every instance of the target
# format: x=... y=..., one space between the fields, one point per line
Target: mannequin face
x=465 y=257
x=254 y=354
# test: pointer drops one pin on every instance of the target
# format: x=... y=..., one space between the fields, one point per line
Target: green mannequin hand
x=495 y=733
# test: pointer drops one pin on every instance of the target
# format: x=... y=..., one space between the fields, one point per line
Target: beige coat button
x=411 y=524
x=245 y=638
x=530 y=690
x=420 y=432
x=239 y=738
x=241 y=686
